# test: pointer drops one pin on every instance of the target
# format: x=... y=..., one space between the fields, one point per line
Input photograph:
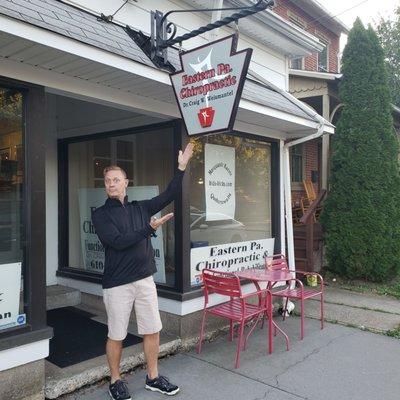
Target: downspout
x=282 y=196
x=288 y=190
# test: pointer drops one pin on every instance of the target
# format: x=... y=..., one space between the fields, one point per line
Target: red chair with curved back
x=236 y=309
x=296 y=292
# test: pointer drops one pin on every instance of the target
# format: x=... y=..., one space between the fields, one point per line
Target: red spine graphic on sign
x=206 y=116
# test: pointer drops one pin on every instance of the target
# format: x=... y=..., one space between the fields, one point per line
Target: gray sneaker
x=162 y=385
x=119 y=390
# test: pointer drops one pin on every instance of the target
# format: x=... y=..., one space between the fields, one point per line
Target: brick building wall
x=285 y=7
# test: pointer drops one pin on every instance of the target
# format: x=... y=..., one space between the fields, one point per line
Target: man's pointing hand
x=157 y=222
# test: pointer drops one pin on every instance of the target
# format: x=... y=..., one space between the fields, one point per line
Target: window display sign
x=230 y=257
x=10 y=293
x=219 y=182
x=92 y=249
x=210 y=84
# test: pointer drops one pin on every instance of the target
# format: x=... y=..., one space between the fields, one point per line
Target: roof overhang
x=64 y=65
x=272 y=30
x=326 y=76
x=265 y=121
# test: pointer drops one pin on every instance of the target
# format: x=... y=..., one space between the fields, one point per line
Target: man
x=124 y=228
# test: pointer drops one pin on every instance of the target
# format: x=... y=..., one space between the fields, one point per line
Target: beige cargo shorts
x=119 y=301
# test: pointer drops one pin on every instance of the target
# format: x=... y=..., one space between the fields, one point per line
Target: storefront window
x=12 y=312
x=148 y=159
x=230 y=212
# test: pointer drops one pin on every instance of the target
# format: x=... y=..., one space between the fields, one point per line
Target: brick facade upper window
x=323 y=59
x=327 y=60
x=323 y=56
x=297 y=63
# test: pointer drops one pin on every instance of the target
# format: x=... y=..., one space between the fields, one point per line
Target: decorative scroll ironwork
x=163 y=33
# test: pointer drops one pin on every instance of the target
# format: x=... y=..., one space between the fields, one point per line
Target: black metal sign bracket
x=163 y=32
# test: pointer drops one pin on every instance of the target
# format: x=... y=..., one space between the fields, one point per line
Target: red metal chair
x=296 y=292
x=237 y=309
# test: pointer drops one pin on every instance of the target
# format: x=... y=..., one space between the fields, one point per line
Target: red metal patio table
x=271 y=277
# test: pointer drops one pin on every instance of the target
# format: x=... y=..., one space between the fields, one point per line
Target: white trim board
x=25 y=354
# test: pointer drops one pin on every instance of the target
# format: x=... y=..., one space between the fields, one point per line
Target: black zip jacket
x=124 y=230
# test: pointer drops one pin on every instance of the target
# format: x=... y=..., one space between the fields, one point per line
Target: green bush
x=361 y=217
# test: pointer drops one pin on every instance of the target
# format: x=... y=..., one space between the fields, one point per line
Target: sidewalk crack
x=249 y=378
x=315 y=351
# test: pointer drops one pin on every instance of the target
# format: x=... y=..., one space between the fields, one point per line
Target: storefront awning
x=69 y=50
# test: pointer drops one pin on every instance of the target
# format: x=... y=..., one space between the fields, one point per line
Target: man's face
x=116 y=184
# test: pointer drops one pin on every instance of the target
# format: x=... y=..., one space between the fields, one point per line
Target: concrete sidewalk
x=336 y=363
x=366 y=311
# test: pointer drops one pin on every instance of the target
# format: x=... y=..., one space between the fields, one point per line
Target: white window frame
x=327 y=43
x=302 y=24
x=302 y=64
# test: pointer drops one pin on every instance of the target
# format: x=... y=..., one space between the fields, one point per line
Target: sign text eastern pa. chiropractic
x=210 y=84
x=231 y=257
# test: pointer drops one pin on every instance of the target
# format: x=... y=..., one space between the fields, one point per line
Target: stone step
x=58 y=296
x=60 y=381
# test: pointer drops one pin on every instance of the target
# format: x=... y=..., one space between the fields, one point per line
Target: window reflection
x=11 y=176
x=148 y=175
x=11 y=209
x=252 y=216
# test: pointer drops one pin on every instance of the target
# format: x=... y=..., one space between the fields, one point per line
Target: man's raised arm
x=157 y=203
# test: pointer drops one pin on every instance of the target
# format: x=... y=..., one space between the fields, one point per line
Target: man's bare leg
x=154 y=382
x=151 y=345
x=114 y=354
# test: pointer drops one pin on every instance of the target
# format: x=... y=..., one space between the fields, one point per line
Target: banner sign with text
x=219 y=182
x=92 y=249
x=210 y=84
x=231 y=257
x=10 y=295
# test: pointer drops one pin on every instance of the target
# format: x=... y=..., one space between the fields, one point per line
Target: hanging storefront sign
x=219 y=182
x=10 y=295
x=92 y=249
x=231 y=257
x=210 y=84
